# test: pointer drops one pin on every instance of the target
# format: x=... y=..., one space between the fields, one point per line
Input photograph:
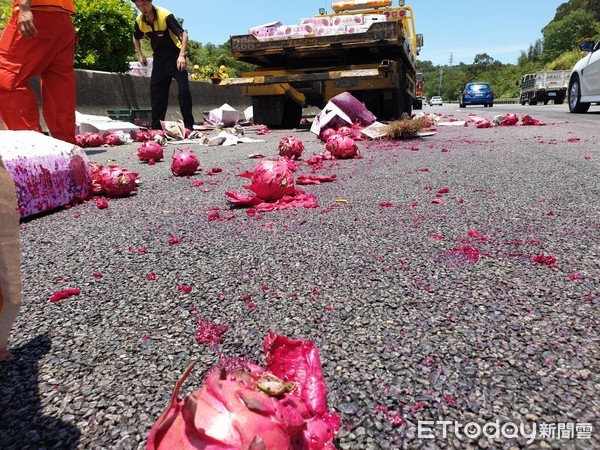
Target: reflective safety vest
x=67 y=5
x=160 y=25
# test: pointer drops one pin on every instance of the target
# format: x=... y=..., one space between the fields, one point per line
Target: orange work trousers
x=49 y=55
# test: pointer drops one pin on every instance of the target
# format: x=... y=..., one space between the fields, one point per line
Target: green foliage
x=104 y=29
x=562 y=35
x=591 y=6
x=575 y=21
x=212 y=56
x=566 y=61
x=5 y=12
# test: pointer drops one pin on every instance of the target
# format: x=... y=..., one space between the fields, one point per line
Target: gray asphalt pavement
x=452 y=279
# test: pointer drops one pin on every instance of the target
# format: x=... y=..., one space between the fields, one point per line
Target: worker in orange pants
x=39 y=40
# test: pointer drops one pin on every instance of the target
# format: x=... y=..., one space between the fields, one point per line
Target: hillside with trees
x=104 y=29
x=574 y=21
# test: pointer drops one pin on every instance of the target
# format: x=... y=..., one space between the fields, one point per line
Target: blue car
x=477 y=94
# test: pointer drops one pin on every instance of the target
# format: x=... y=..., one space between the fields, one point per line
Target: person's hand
x=142 y=59
x=181 y=63
x=25 y=24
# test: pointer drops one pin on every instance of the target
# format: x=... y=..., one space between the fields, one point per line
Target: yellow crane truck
x=375 y=61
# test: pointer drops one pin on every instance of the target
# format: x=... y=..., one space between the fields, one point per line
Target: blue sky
x=463 y=28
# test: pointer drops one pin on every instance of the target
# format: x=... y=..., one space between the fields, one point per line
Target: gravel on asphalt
x=481 y=307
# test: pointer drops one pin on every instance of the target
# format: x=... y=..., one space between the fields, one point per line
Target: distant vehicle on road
x=584 y=85
x=419 y=99
x=479 y=93
x=436 y=100
x=544 y=86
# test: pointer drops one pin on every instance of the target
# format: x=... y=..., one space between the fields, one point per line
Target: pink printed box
x=48 y=173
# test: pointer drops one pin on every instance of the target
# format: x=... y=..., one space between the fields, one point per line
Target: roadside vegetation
x=104 y=28
x=574 y=21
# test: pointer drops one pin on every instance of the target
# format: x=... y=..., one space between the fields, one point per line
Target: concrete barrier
x=99 y=91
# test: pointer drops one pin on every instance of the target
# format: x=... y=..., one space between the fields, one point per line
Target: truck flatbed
x=383 y=40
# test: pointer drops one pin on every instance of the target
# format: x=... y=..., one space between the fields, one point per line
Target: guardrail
x=498 y=101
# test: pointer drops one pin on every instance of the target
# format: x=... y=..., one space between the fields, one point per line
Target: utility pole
x=451 y=58
x=440 y=85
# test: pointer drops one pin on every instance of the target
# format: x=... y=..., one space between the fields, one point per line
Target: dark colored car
x=477 y=94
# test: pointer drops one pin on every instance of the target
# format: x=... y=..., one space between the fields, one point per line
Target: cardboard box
x=224 y=114
x=99 y=124
x=48 y=173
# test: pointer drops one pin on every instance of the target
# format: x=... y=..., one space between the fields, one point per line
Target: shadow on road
x=22 y=423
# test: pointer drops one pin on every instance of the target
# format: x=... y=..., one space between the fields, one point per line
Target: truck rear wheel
x=276 y=111
x=384 y=104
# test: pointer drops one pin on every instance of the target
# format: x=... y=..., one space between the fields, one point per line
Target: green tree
x=483 y=59
x=591 y=6
x=5 y=12
x=562 y=35
x=210 y=57
x=104 y=29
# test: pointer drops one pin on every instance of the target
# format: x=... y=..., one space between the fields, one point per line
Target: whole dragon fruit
x=143 y=135
x=327 y=133
x=290 y=147
x=270 y=180
x=352 y=132
x=184 y=163
x=117 y=181
x=509 y=120
x=94 y=139
x=484 y=123
x=150 y=151
x=113 y=139
x=342 y=147
x=248 y=407
x=80 y=140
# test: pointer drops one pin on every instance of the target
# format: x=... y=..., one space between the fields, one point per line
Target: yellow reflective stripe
x=160 y=23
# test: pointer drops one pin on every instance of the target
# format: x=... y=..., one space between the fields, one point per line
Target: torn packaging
x=225 y=114
x=174 y=130
x=342 y=110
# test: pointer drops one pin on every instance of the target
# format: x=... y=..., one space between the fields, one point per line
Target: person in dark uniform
x=169 y=44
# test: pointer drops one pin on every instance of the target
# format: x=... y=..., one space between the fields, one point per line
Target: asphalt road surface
x=446 y=280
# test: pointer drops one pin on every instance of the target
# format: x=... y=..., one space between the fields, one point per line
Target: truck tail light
x=394 y=14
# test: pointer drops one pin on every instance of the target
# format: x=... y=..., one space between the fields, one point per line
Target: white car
x=584 y=85
x=436 y=100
